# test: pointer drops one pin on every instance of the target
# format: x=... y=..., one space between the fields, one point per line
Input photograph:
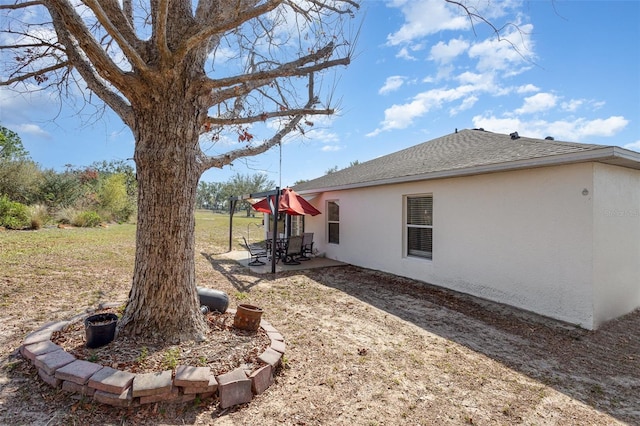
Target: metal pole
x=274 y=213
x=232 y=208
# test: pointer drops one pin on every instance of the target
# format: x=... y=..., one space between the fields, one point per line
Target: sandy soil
x=363 y=348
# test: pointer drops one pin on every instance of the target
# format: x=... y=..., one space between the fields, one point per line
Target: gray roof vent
x=514 y=135
x=549 y=138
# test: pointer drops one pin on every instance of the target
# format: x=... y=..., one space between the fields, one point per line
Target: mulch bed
x=225 y=348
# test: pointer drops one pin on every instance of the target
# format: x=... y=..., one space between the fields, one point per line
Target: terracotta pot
x=100 y=329
x=247 y=317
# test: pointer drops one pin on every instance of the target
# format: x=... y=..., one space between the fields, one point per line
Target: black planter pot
x=100 y=329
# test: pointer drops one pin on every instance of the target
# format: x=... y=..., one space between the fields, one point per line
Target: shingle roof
x=461 y=153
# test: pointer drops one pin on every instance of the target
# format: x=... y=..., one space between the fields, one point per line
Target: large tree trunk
x=163 y=302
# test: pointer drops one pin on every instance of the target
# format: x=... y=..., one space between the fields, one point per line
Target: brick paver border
x=106 y=385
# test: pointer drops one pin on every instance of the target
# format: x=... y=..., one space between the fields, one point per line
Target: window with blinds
x=333 y=222
x=420 y=226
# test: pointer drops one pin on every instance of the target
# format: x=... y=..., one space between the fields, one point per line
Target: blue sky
x=420 y=71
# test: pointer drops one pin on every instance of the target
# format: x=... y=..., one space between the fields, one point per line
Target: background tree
x=152 y=62
x=60 y=190
x=331 y=170
x=112 y=195
x=19 y=175
x=11 y=145
x=121 y=167
x=240 y=184
x=205 y=195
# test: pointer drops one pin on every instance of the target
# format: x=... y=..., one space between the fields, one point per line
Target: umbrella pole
x=231 y=210
x=274 y=214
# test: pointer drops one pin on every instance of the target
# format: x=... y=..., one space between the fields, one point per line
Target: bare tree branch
x=75 y=36
x=161 y=16
x=39 y=72
x=296 y=115
x=227 y=24
x=92 y=78
x=129 y=51
x=268 y=115
x=121 y=19
x=127 y=10
x=242 y=86
x=239 y=84
x=207 y=162
x=16 y=6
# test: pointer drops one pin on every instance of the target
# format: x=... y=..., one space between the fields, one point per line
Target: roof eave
x=613 y=155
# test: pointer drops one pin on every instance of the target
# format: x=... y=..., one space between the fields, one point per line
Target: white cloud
x=445 y=72
x=572 y=105
x=604 y=127
x=481 y=82
x=568 y=130
x=466 y=104
x=499 y=125
x=507 y=54
x=322 y=135
x=331 y=148
x=446 y=52
x=392 y=84
x=33 y=130
x=402 y=116
x=633 y=145
x=17 y=107
x=527 y=88
x=321 y=130
x=425 y=17
x=404 y=54
x=538 y=102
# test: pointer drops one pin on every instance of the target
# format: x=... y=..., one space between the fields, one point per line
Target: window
x=297 y=224
x=333 y=222
x=420 y=226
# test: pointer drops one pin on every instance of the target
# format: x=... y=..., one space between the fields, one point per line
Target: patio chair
x=307 y=246
x=293 y=251
x=281 y=246
x=255 y=252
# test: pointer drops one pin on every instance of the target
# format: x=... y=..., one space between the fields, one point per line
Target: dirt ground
x=363 y=348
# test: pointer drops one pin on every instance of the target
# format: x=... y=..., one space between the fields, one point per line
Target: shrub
x=39 y=216
x=87 y=219
x=20 y=180
x=66 y=216
x=115 y=203
x=60 y=190
x=13 y=215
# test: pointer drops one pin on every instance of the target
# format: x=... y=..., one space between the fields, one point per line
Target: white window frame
x=420 y=254
x=329 y=222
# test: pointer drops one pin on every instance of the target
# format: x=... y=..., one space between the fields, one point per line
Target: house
x=546 y=226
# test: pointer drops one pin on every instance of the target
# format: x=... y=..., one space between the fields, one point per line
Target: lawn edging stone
x=117 y=388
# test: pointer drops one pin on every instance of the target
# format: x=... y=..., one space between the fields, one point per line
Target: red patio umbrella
x=290 y=203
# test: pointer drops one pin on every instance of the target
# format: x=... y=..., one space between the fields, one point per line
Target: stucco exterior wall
x=524 y=238
x=616 y=266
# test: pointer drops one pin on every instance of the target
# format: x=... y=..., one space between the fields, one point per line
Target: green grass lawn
x=116 y=242
x=88 y=265
x=212 y=229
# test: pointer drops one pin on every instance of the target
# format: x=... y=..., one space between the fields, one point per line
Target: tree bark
x=163 y=302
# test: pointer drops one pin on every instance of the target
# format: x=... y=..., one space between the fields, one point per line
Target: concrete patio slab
x=243 y=258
